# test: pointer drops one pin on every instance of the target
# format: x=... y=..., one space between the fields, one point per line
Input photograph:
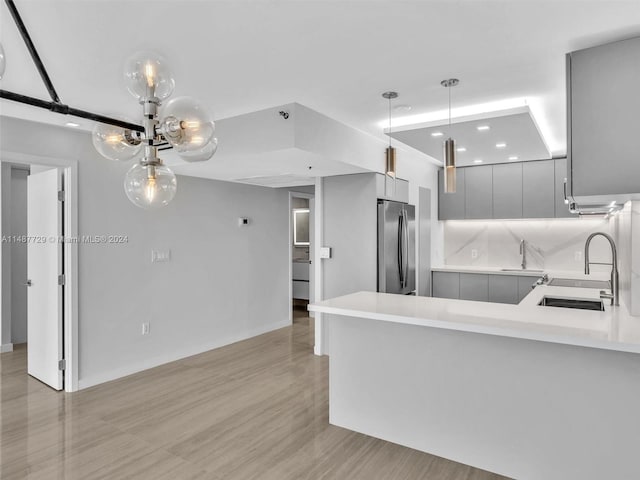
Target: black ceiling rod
x=55 y=105
x=67 y=110
x=32 y=50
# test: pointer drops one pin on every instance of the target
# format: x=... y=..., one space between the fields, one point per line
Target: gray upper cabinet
x=478 y=189
x=474 y=286
x=385 y=188
x=562 y=208
x=538 y=189
x=603 y=121
x=507 y=190
x=532 y=189
x=451 y=205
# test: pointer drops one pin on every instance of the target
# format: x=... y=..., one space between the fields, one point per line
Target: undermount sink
x=577 y=283
x=579 y=303
x=523 y=270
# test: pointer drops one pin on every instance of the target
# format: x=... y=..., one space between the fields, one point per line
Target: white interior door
x=44 y=264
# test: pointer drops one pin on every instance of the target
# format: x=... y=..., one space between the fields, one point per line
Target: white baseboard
x=173 y=356
x=7 y=347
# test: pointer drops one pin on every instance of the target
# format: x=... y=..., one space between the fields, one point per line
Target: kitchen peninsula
x=526 y=391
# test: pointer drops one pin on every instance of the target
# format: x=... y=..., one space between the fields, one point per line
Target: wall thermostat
x=243 y=221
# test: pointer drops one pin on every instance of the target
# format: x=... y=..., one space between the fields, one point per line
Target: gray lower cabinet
x=478 y=191
x=474 y=286
x=503 y=289
x=482 y=287
x=562 y=208
x=525 y=286
x=538 y=189
x=446 y=284
x=451 y=205
x=507 y=190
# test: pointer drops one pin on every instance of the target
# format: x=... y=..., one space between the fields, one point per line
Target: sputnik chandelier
x=183 y=124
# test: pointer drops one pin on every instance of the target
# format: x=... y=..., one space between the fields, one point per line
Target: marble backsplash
x=551 y=244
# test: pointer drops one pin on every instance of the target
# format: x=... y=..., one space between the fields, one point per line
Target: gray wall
x=350 y=229
x=5 y=225
x=223 y=283
x=18 y=212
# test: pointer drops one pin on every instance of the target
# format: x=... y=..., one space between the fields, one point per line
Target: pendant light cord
x=389 y=122
x=449 y=109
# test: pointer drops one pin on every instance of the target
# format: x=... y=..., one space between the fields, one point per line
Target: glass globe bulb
x=187 y=125
x=202 y=155
x=151 y=186
x=115 y=143
x=3 y=61
x=147 y=75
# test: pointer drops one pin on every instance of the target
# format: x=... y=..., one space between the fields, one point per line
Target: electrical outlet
x=146 y=328
x=577 y=256
x=159 y=256
x=474 y=253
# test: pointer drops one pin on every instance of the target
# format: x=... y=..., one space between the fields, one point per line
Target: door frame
x=69 y=169
x=310 y=197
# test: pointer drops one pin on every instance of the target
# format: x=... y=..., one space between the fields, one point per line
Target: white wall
x=223 y=283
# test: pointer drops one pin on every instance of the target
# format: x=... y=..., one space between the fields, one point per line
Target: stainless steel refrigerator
x=396 y=247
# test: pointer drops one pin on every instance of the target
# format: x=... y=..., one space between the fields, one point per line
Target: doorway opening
x=301 y=248
x=38 y=211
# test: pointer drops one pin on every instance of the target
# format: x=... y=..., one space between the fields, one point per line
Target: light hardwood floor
x=257 y=409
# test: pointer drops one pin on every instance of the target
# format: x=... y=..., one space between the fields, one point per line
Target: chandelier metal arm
x=67 y=110
x=55 y=105
x=32 y=50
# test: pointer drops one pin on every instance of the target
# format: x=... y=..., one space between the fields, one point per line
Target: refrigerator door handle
x=405 y=256
x=400 y=247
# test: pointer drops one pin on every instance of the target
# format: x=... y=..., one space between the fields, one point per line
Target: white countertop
x=613 y=329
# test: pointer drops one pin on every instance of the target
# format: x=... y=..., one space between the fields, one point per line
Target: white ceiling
x=336 y=57
x=514 y=130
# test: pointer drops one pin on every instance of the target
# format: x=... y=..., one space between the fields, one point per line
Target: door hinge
x=61 y=195
x=62 y=364
x=61 y=279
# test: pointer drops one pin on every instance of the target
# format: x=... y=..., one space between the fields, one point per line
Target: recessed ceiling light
x=437 y=134
x=477 y=160
x=482 y=128
x=501 y=145
x=402 y=108
x=513 y=157
x=72 y=124
x=461 y=149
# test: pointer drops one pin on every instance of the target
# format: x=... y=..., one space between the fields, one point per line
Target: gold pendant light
x=449 y=147
x=390 y=154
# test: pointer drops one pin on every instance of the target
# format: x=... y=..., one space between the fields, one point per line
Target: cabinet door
x=478 y=188
x=562 y=209
x=446 y=284
x=524 y=286
x=474 y=286
x=603 y=118
x=503 y=289
x=451 y=205
x=507 y=190
x=538 y=189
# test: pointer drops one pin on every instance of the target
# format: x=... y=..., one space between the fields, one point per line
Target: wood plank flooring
x=257 y=409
